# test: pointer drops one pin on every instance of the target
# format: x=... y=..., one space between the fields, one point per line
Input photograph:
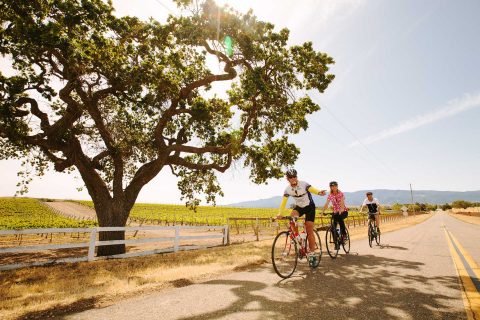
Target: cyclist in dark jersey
x=373 y=208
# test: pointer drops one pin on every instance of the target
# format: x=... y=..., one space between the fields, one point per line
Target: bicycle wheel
x=370 y=234
x=346 y=242
x=284 y=255
x=377 y=238
x=318 y=249
x=330 y=243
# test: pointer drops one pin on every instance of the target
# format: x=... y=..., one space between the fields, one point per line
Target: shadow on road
x=387 y=246
x=353 y=287
x=54 y=312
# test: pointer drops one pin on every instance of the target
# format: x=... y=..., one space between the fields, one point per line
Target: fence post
x=91 y=247
x=257 y=231
x=226 y=235
x=177 y=240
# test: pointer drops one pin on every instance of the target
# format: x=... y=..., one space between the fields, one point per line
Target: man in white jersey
x=301 y=191
x=373 y=208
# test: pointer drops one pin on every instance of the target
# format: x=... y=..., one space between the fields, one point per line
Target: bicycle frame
x=372 y=219
x=293 y=235
x=333 y=229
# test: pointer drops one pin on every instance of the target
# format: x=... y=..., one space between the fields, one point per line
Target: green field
x=166 y=213
x=26 y=213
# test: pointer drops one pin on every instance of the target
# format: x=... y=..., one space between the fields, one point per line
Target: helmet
x=291 y=173
x=333 y=183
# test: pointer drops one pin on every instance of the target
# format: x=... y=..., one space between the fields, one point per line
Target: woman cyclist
x=301 y=191
x=340 y=210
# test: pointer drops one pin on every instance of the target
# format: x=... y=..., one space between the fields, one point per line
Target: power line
x=374 y=156
x=166 y=7
x=337 y=139
x=359 y=141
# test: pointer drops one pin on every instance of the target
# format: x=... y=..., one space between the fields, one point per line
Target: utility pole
x=411 y=194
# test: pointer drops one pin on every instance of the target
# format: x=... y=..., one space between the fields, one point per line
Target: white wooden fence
x=94 y=242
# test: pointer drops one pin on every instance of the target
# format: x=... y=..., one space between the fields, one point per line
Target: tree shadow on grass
x=352 y=287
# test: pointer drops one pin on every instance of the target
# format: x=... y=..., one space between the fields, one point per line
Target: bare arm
x=326 y=206
x=361 y=208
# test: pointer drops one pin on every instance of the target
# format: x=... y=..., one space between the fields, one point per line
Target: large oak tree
x=120 y=99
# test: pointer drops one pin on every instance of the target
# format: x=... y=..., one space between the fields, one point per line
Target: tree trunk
x=111 y=213
x=112 y=249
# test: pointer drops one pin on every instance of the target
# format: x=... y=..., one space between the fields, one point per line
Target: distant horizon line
x=232 y=203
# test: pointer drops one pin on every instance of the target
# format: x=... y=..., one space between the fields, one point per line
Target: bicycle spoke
x=370 y=234
x=284 y=255
x=346 y=242
x=330 y=243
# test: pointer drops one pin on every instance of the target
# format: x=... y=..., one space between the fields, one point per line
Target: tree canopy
x=119 y=99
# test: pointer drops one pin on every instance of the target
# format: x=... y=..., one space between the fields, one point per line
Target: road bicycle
x=333 y=239
x=289 y=246
x=372 y=231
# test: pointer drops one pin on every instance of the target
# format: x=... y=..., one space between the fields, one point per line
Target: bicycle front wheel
x=346 y=242
x=377 y=238
x=330 y=241
x=370 y=234
x=284 y=255
x=317 y=253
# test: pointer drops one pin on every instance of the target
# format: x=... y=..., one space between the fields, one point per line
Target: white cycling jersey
x=372 y=205
x=300 y=193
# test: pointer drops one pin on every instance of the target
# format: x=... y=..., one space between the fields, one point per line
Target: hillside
x=385 y=196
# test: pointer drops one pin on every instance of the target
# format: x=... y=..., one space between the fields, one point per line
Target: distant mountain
x=385 y=196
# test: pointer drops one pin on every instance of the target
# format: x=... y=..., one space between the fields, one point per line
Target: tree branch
x=144 y=175
x=72 y=114
x=198 y=150
x=179 y=161
x=99 y=157
x=116 y=153
x=44 y=122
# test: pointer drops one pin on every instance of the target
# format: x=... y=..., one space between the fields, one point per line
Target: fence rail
x=93 y=242
x=321 y=222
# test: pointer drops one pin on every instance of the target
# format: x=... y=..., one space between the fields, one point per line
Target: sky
x=404 y=107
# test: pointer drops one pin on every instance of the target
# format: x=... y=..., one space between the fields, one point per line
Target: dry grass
x=34 y=291
x=465 y=218
x=38 y=293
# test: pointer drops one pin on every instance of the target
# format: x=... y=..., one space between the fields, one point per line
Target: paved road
x=411 y=276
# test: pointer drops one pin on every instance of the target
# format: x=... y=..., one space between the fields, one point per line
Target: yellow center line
x=467 y=271
x=473 y=265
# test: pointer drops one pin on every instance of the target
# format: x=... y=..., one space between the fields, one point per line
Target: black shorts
x=338 y=215
x=372 y=215
x=308 y=211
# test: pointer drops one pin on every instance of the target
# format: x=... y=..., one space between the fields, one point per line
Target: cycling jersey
x=301 y=194
x=372 y=205
x=336 y=200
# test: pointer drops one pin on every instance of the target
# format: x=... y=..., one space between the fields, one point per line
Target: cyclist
x=373 y=208
x=301 y=191
x=340 y=210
